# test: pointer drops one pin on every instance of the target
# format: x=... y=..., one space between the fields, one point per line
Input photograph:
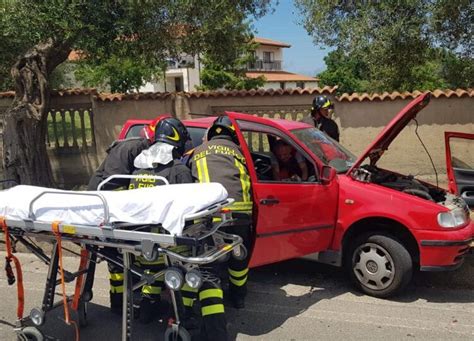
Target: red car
x=379 y=224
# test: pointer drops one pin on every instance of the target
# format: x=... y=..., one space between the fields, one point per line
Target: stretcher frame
x=94 y=241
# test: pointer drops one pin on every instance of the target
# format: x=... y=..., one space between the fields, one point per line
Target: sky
x=303 y=56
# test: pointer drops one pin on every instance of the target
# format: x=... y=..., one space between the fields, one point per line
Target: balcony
x=263 y=65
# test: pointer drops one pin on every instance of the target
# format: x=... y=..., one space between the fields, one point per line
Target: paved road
x=295 y=300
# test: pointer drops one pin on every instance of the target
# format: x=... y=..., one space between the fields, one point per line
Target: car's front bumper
x=444 y=250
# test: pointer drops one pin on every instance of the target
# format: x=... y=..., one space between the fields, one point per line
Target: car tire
x=379 y=265
x=30 y=333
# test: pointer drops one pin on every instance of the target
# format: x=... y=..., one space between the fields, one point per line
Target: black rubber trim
x=446 y=242
x=442 y=268
x=304 y=229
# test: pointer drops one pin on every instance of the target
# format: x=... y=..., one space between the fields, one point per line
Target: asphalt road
x=295 y=300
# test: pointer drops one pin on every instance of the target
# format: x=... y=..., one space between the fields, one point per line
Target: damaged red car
x=378 y=224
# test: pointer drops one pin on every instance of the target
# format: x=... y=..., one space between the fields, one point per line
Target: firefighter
x=220 y=159
x=119 y=160
x=162 y=159
x=320 y=117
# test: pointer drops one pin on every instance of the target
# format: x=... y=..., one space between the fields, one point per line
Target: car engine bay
x=403 y=183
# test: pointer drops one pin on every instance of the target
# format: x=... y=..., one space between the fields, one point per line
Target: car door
x=292 y=219
x=460 y=165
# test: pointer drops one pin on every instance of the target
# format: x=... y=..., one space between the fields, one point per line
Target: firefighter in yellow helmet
x=220 y=159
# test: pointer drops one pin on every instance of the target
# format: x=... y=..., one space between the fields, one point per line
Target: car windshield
x=326 y=149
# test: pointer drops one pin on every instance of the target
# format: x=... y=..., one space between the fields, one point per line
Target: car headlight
x=454 y=218
x=193 y=279
x=174 y=278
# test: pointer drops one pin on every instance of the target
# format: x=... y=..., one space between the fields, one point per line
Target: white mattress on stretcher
x=166 y=205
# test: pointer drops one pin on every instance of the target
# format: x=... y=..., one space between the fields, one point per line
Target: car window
x=462 y=155
x=326 y=149
x=134 y=130
x=276 y=157
x=197 y=135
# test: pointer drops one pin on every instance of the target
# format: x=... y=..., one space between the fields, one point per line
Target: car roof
x=205 y=122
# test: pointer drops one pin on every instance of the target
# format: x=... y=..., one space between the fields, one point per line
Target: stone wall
x=360 y=118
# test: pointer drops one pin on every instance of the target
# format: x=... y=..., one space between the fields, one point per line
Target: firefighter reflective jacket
x=220 y=160
x=175 y=172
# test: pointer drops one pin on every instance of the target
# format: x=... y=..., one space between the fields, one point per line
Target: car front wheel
x=379 y=265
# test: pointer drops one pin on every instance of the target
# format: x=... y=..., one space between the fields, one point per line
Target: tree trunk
x=25 y=123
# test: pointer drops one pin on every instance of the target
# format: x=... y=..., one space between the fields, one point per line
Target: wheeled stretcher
x=102 y=221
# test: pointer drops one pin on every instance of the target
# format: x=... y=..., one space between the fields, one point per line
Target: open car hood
x=391 y=130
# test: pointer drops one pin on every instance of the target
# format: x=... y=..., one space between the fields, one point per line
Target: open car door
x=294 y=218
x=460 y=165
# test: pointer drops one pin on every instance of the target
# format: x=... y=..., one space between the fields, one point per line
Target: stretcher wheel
x=82 y=314
x=30 y=333
x=240 y=253
x=183 y=334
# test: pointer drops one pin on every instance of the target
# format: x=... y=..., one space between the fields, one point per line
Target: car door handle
x=269 y=201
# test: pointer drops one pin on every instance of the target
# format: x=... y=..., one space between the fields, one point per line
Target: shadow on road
x=324 y=282
x=271 y=301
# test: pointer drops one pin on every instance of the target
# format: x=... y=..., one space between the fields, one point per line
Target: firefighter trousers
x=211 y=298
x=238 y=269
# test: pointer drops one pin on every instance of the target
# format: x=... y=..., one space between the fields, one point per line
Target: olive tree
x=44 y=32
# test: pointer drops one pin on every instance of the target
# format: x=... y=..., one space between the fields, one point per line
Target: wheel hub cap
x=371 y=266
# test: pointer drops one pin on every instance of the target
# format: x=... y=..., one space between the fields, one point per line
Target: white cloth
x=158 y=153
x=166 y=205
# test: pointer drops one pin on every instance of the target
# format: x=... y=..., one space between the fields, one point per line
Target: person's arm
x=275 y=168
x=303 y=167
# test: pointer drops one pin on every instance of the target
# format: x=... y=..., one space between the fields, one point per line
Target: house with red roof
x=269 y=61
x=184 y=73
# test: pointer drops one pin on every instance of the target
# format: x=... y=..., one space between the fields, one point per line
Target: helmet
x=321 y=102
x=222 y=126
x=172 y=131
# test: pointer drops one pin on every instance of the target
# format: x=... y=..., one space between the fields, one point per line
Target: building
x=183 y=73
x=269 y=61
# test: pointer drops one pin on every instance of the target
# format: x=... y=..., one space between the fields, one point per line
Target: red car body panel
x=298 y=219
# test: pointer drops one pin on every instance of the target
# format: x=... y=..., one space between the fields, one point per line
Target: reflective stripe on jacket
x=220 y=160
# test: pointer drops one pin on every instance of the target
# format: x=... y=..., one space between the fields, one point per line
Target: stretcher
x=104 y=222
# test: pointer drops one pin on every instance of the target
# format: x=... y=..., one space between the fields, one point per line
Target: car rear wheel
x=379 y=265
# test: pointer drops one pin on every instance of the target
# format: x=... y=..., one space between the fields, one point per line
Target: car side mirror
x=327 y=175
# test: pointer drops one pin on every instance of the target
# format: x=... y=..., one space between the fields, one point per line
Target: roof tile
x=404 y=95
x=256 y=92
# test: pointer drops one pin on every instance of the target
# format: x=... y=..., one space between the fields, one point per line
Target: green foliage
x=393 y=41
x=117 y=74
x=229 y=73
x=139 y=35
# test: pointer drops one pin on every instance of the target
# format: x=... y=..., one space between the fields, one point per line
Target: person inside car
x=288 y=164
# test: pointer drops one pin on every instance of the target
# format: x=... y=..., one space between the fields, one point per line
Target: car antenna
x=426 y=150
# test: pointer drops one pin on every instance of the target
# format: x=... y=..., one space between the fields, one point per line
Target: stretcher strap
x=80 y=278
x=19 y=273
x=57 y=234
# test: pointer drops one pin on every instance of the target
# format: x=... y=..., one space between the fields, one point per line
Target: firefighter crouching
x=220 y=159
x=119 y=160
x=160 y=159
